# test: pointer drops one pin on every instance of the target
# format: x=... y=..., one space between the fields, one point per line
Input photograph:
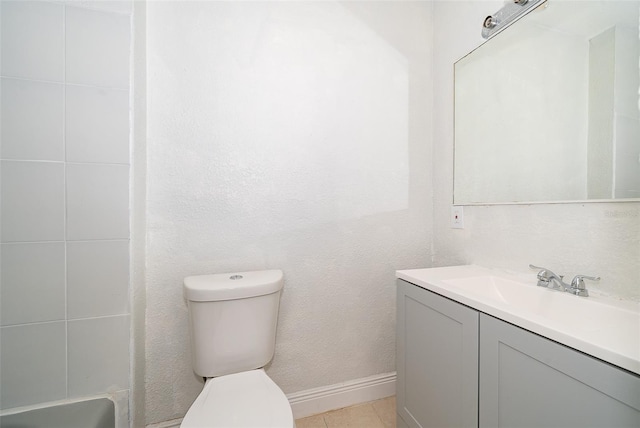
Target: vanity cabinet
x=460 y=367
x=437 y=360
x=527 y=380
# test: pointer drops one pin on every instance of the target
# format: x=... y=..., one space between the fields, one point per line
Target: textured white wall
x=600 y=239
x=293 y=136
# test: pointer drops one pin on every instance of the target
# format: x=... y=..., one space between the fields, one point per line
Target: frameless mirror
x=548 y=110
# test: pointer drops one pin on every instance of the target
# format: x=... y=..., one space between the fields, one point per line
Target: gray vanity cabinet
x=529 y=381
x=437 y=360
x=458 y=367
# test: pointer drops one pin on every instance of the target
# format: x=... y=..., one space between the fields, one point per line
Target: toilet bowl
x=233 y=320
x=247 y=399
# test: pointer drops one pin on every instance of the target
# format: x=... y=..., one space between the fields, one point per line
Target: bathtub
x=97 y=413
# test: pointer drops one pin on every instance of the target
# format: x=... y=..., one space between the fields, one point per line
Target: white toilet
x=233 y=321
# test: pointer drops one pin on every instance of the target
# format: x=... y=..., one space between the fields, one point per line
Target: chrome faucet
x=546 y=278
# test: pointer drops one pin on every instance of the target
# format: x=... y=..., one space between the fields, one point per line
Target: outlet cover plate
x=457 y=217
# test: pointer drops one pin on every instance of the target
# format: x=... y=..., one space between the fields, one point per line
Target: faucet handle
x=545 y=275
x=578 y=281
x=543 y=270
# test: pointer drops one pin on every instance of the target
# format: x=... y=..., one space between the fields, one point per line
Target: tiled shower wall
x=64 y=287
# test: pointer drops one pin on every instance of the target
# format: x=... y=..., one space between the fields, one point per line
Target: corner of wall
x=138 y=216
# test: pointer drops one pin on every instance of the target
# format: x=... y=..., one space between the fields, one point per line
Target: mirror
x=548 y=110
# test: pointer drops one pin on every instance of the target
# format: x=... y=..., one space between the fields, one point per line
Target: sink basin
x=500 y=289
x=606 y=329
x=552 y=305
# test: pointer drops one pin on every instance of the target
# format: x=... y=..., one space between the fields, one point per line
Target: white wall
x=599 y=239
x=292 y=135
x=65 y=202
x=298 y=136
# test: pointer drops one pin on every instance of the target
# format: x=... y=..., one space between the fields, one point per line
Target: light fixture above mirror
x=507 y=15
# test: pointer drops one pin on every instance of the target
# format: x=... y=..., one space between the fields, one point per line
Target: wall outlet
x=457 y=217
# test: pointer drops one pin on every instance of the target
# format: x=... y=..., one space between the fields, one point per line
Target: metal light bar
x=510 y=13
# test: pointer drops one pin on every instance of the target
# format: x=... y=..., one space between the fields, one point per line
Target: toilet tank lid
x=235 y=285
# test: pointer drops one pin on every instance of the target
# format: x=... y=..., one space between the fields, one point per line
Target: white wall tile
x=32 y=285
x=97 y=124
x=45 y=45
x=32 y=119
x=98 y=355
x=32 y=363
x=32 y=40
x=97 y=201
x=97 y=48
x=97 y=278
x=120 y=6
x=32 y=201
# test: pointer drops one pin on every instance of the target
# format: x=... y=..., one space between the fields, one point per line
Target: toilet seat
x=244 y=400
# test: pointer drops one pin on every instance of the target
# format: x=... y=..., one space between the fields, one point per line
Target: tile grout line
x=64 y=196
x=373 y=410
x=377 y=413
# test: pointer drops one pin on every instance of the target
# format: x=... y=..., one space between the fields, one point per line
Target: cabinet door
x=437 y=360
x=530 y=381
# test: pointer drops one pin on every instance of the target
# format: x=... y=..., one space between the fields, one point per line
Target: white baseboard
x=323 y=399
x=332 y=397
x=174 y=423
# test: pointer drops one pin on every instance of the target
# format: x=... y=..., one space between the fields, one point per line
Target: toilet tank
x=232 y=320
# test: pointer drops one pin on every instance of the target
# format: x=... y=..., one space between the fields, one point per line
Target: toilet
x=232 y=321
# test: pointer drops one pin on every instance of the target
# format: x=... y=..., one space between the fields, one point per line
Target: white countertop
x=605 y=328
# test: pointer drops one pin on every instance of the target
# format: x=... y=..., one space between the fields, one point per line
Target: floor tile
x=386 y=411
x=374 y=414
x=363 y=416
x=316 y=421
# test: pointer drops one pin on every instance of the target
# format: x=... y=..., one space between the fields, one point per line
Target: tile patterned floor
x=375 y=414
